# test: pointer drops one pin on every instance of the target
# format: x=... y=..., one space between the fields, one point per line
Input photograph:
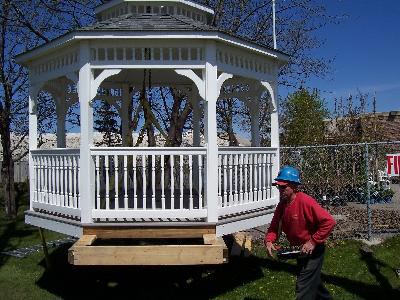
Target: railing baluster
x=162 y=183
x=230 y=162
x=125 y=182
x=190 y=183
x=134 y=160
x=45 y=186
x=225 y=165
x=53 y=180
x=264 y=191
x=172 y=182
x=144 y=188
x=98 y=182
x=58 y=196
x=107 y=182
x=200 y=181
x=256 y=183
x=35 y=174
x=246 y=195
x=251 y=178
x=41 y=180
x=181 y=181
x=236 y=194
x=153 y=181
x=116 y=184
x=241 y=178
x=219 y=180
x=270 y=175
x=62 y=180
x=75 y=160
x=70 y=202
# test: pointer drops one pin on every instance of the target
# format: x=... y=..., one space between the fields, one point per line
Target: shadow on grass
x=183 y=282
x=150 y=282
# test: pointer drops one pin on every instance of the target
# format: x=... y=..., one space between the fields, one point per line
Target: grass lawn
x=349 y=273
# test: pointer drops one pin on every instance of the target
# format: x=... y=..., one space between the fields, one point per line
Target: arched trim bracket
x=33 y=94
x=100 y=78
x=220 y=81
x=201 y=86
x=200 y=83
x=274 y=103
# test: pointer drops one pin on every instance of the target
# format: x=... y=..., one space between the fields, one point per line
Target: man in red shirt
x=306 y=224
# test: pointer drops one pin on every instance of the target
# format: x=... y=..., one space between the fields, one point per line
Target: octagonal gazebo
x=112 y=191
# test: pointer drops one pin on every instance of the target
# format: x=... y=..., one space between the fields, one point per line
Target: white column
x=211 y=95
x=275 y=132
x=86 y=163
x=195 y=99
x=33 y=135
x=61 y=116
x=255 y=122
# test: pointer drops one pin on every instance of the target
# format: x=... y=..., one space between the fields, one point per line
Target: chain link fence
x=351 y=181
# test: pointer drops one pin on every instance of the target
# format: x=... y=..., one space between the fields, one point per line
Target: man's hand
x=308 y=247
x=270 y=246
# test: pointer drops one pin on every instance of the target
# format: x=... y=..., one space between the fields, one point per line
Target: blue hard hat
x=289 y=174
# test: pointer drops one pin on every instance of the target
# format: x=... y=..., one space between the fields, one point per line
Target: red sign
x=393 y=164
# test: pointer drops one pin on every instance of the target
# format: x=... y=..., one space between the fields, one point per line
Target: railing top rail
x=341 y=145
x=148 y=150
x=246 y=150
x=57 y=151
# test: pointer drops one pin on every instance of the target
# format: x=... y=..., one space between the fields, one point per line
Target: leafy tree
x=303 y=115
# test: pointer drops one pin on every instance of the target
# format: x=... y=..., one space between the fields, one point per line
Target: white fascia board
x=94 y=35
x=110 y=4
x=25 y=58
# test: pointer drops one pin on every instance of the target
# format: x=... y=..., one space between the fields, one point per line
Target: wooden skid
x=110 y=232
x=84 y=253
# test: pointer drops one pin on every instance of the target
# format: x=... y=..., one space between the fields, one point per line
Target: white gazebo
x=147 y=192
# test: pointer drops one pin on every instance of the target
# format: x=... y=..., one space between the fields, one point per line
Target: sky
x=365 y=47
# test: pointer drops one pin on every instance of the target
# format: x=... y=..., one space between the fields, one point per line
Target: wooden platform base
x=91 y=250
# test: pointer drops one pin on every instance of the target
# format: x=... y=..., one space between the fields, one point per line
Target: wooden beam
x=209 y=239
x=110 y=232
x=86 y=240
x=147 y=255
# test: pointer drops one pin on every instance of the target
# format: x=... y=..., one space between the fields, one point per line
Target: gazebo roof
x=149 y=22
x=191 y=3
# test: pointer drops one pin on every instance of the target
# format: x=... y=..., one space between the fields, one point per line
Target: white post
x=255 y=122
x=33 y=135
x=86 y=163
x=211 y=95
x=61 y=112
x=275 y=132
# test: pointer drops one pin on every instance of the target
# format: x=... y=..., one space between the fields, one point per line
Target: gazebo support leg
x=45 y=250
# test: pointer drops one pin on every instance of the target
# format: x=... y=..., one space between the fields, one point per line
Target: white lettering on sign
x=393 y=164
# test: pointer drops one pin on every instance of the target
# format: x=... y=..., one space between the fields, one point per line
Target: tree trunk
x=7 y=176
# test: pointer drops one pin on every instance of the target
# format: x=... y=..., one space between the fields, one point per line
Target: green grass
x=348 y=272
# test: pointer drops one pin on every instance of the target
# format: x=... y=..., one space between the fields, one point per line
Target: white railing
x=56 y=181
x=245 y=178
x=149 y=183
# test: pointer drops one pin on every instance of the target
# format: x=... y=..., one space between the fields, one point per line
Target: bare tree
x=298 y=22
x=25 y=25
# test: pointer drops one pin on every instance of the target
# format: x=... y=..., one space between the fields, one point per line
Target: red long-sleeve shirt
x=302 y=219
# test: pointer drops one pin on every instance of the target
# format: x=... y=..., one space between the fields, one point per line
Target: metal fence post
x=368 y=191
